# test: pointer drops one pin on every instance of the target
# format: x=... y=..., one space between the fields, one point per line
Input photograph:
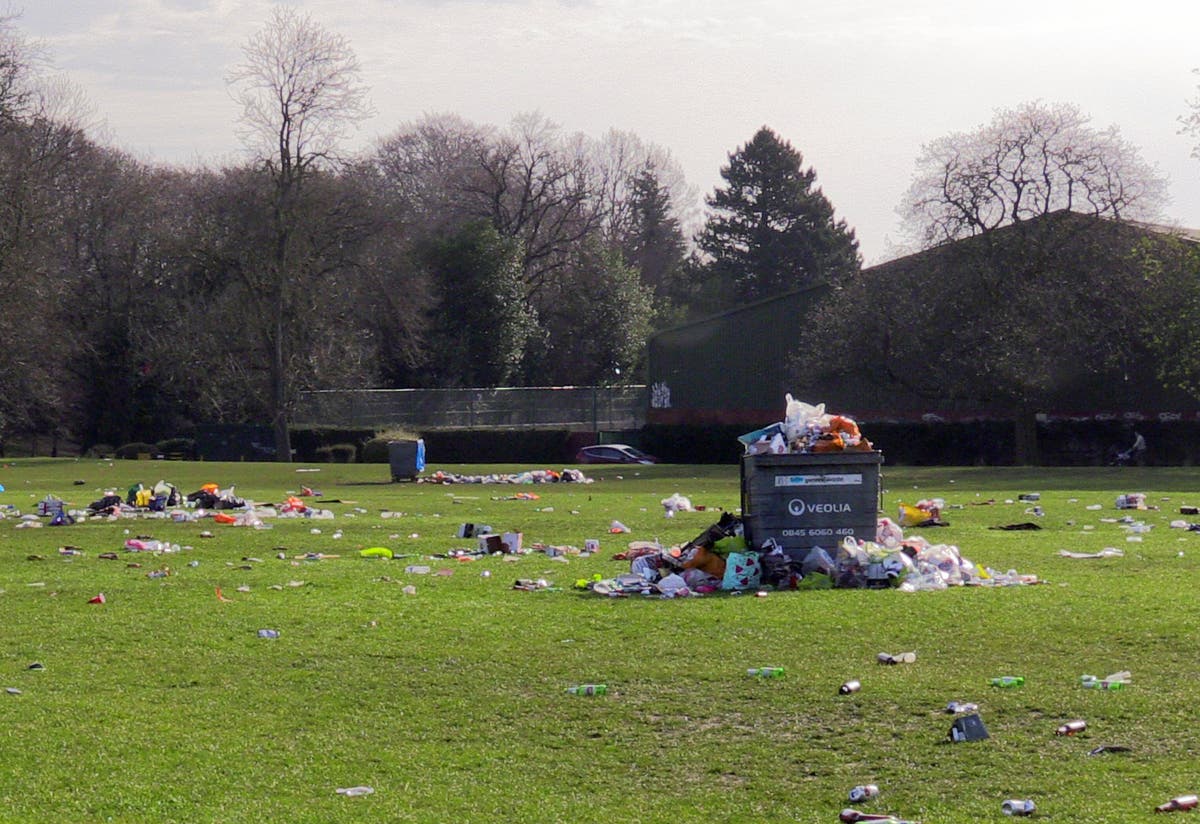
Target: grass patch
x=164 y=704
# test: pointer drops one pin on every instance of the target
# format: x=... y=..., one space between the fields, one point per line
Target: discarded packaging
x=1103 y=748
x=351 y=792
x=898 y=658
x=968 y=728
x=849 y=687
x=955 y=707
x=268 y=633
x=863 y=791
x=1023 y=806
x=1008 y=681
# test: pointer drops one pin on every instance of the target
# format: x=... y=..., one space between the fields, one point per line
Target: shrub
x=337 y=453
x=100 y=450
x=130 y=451
x=181 y=446
x=376 y=450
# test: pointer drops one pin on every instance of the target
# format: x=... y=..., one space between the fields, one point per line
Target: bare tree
x=1190 y=122
x=301 y=92
x=1028 y=161
x=537 y=186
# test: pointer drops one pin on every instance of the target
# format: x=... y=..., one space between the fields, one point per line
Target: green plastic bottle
x=588 y=689
x=766 y=672
x=1009 y=681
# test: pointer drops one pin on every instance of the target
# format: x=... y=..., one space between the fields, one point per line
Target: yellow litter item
x=376 y=552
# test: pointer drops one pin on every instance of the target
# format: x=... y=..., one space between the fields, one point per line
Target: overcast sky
x=857 y=87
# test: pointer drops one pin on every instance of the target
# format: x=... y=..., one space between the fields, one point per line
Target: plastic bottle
x=1097 y=684
x=268 y=633
x=588 y=689
x=766 y=672
x=849 y=687
x=350 y=792
x=417 y=569
x=863 y=791
x=1071 y=727
x=1018 y=806
x=1179 y=802
x=1009 y=681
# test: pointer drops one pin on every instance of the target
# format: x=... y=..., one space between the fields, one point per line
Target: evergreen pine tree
x=770 y=230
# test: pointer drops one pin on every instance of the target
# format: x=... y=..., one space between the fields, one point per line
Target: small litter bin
x=407 y=459
x=810 y=500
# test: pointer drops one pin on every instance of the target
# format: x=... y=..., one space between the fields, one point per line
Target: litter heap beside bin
x=407 y=459
x=806 y=500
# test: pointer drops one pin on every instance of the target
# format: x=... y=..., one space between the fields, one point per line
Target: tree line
x=140 y=298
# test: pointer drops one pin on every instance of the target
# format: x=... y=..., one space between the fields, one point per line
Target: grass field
x=164 y=705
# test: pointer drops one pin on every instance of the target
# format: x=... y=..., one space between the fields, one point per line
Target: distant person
x=1135 y=453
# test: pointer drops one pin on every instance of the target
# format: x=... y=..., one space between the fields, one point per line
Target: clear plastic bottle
x=849 y=687
x=351 y=792
x=1018 y=806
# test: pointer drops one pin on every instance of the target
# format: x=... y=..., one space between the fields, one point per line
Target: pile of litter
x=806 y=429
x=537 y=476
x=720 y=559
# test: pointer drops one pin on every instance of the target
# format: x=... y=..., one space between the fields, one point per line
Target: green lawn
x=163 y=704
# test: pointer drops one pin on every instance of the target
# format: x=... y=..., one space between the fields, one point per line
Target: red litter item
x=99 y=599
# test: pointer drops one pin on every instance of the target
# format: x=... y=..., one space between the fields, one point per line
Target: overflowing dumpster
x=806 y=500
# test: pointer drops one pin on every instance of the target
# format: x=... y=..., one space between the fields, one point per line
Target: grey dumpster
x=407 y=459
x=809 y=500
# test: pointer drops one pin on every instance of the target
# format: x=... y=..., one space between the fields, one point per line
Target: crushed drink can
x=864 y=791
x=1071 y=727
x=849 y=687
x=1018 y=806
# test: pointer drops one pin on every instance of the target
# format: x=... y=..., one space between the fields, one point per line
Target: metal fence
x=591 y=408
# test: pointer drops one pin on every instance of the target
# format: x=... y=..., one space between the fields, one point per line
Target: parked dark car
x=613 y=453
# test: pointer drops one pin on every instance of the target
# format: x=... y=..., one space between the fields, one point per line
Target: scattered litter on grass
x=351 y=792
x=675 y=503
x=12 y=690
x=537 y=476
x=268 y=633
x=98 y=599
